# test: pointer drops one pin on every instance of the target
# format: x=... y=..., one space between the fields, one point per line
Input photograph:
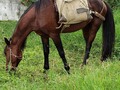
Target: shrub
x=113 y=3
x=27 y=2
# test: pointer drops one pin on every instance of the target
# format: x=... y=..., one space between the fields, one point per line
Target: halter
x=12 y=54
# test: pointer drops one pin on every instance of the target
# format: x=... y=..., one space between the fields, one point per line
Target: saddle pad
x=73 y=11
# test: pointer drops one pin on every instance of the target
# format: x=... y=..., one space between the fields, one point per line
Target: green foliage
x=29 y=76
x=114 y=3
x=27 y=2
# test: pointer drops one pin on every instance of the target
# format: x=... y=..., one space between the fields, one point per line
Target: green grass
x=29 y=76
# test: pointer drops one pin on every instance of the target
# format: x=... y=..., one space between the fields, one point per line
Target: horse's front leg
x=45 y=42
x=57 y=41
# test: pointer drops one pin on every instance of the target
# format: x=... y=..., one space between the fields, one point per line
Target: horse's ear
x=7 y=41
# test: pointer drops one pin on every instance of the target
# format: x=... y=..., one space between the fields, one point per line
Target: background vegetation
x=113 y=3
x=29 y=76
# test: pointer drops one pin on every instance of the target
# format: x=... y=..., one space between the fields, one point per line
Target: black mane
x=38 y=4
x=41 y=4
x=27 y=9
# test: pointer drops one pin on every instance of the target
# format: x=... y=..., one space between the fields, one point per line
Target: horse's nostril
x=13 y=69
x=7 y=69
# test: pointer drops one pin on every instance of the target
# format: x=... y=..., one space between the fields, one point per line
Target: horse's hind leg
x=88 y=45
x=45 y=42
x=57 y=41
x=89 y=33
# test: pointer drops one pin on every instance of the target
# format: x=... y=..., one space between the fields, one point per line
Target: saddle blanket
x=73 y=11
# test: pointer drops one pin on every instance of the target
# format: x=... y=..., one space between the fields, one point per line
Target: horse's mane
x=24 y=42
x=41 y=4
x=27 y=9
x=38 y=4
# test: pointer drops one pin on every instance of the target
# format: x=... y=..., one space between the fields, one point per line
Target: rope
x=98 y=15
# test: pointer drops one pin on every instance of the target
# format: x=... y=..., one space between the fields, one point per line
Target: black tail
x=108 y=34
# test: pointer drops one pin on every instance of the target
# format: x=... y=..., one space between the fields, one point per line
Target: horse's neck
x=19 y=37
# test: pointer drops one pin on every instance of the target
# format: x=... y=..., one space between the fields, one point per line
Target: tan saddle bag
x=73 y=11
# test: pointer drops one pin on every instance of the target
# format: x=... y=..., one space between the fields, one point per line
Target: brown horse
x=42 y=18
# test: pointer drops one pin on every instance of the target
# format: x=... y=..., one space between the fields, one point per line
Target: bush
x=114 y=3
x=27 y=2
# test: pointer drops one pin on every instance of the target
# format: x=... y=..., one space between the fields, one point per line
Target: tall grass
x=29 y=76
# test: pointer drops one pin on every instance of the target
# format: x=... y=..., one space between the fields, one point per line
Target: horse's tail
x=108 y=34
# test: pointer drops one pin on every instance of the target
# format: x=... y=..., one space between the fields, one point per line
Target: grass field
x=94 y=76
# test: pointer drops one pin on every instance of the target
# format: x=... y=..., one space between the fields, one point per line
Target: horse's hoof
x=68 y=72
x=82 y=65
x=67 y=68
x=45 y=71
x=45 y=76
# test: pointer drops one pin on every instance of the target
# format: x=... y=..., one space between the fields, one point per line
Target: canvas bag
x=73 y=11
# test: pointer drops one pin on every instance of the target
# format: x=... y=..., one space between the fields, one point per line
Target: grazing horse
x=42 y=17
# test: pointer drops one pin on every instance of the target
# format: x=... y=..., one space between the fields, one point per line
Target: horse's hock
x=11 y=9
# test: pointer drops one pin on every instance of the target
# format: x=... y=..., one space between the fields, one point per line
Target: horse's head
x=13 y=55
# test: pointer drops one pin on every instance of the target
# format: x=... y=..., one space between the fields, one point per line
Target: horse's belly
x=75 y=27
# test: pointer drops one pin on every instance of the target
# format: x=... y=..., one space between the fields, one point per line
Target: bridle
x=12 y=54
x=10 y=60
